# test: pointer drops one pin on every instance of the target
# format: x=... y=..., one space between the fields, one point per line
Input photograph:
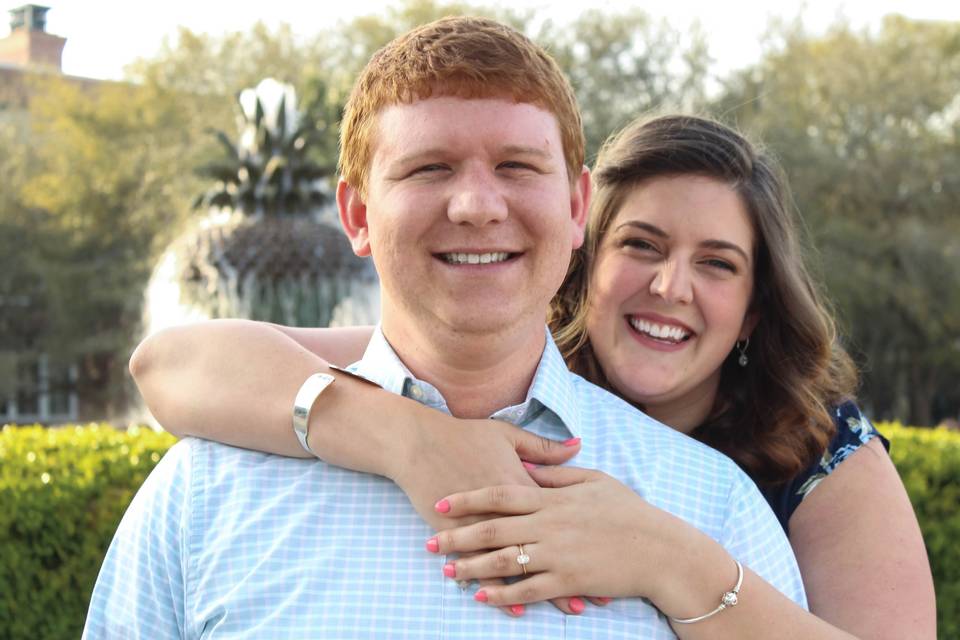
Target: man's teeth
x=475 y=258
x=660 y=331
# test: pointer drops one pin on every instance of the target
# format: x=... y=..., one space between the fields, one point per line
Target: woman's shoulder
x=853 y=430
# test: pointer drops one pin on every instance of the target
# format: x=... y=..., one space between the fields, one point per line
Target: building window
x=41 y=392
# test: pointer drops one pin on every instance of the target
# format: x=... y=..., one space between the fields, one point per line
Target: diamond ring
x=523 y=559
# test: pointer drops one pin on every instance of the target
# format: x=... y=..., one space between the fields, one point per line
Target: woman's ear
x=353 y=217
x=750 y=322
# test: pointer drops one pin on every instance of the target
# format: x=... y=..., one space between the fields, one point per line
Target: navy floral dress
x=853 y=431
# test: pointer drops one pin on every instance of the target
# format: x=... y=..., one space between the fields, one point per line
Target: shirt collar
x=552 y=389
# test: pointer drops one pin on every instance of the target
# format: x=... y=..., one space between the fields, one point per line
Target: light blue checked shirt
x=224 y=542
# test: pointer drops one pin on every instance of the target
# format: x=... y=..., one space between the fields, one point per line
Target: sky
x=105 y=35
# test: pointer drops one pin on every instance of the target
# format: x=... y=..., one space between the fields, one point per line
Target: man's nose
x=673 y=283
x=477 y=200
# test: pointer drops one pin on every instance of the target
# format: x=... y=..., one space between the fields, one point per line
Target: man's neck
x=476 y=374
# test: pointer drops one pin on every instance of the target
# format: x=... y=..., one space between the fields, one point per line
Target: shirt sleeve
x=753 y=536
x=140 y=592
x=853 y=431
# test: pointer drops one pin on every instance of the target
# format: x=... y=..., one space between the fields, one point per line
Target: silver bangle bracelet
x=312 y=387
x=727 y=600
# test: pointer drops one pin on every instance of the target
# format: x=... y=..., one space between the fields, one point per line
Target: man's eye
x=428 y=168
x=638 y=243
x=517 y=165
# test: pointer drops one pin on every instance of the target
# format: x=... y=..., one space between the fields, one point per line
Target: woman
x=689 y=299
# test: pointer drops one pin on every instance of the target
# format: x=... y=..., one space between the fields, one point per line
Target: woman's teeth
x=659 y=331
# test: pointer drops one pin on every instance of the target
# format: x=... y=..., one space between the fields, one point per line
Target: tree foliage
x=626 y=64
x=866 y=124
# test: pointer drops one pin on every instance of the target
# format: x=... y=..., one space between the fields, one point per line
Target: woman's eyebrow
x=646 y=226
x=709 y=244
x=723 y=244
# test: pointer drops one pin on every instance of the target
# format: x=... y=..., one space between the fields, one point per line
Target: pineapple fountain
x=269 y=246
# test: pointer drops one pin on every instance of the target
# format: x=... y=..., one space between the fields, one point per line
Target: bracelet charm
x=727 y=601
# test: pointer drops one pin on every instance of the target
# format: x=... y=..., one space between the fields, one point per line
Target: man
x=463 y=178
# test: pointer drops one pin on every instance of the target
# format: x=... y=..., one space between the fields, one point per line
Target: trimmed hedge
x=63 y=492
x=929 y=464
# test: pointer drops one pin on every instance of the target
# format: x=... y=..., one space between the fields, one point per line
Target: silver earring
x=742 y=348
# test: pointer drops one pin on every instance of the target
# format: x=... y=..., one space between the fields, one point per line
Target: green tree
x=107 y=186
x=866 y=124
x=625 y=64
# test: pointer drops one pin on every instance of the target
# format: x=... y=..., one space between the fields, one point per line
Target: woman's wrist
x=413 y=430
x=359 y=426
x=696 y=573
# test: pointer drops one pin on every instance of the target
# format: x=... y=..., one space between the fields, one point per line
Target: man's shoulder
x=212 y=464
x=615 y=419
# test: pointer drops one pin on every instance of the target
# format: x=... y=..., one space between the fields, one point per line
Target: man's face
x=470 y=215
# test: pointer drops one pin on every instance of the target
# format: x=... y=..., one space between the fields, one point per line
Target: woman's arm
x=587 y=533
x=234 y=381
x=861 y=553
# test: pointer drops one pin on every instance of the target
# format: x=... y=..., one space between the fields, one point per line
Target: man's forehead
x=417 y=127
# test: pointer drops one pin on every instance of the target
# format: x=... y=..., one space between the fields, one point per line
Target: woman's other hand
x=584 y=532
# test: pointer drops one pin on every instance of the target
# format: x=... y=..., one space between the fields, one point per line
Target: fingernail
x=516 y=609
x=605 y=600
x=450 y=570
x=433 y=545
x=572 y=442
x=480 y=596
x=443 y=506
x=576 y=605
x=528 y=465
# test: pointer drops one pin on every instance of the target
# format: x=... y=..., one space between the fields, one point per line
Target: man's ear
x=353 y=217
x=580 y=206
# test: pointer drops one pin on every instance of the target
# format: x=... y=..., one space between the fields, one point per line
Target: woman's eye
x=721 y=264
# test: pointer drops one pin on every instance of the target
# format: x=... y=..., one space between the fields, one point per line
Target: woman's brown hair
x=772 y=416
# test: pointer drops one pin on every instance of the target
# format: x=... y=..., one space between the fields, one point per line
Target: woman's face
x=670 y=293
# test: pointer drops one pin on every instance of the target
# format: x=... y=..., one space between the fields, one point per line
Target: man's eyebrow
x=419 y=156
x=527 y=150
x=434 y=153
x=709 y=244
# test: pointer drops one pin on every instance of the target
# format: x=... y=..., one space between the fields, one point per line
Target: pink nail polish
x=516 y=609
x=572 y=442
x=576 y=605
x=480 y=596
x=450 y=570
x=433 y=545
x=443 y=506
x=528 y=465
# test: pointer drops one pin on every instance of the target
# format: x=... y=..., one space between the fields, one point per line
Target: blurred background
x=136 y=191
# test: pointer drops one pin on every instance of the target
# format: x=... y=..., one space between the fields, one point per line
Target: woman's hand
x=444 y=455
x=584 y=533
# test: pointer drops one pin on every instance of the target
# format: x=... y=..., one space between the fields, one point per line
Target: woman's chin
x=647 y=390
